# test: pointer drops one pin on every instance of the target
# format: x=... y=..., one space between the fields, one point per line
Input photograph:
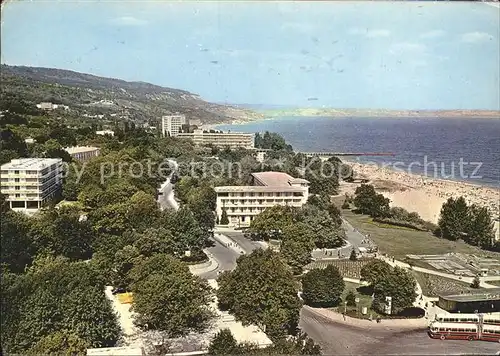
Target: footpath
x=483 y=280
x=229 y=243
x=209 y=266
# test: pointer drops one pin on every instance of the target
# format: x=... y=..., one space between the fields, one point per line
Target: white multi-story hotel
x=28 y=183
x=172 y=124
x=83 y=153
x=243 y=203
x=221 y=139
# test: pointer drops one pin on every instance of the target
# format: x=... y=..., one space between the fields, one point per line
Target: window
x=242 y=219
x=18 y=187
x=16 y=180
x=16 y=172
x=18 y=195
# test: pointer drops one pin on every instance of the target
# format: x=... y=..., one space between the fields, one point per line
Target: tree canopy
x=164 y=281
x=261 y=290
x=323 y=287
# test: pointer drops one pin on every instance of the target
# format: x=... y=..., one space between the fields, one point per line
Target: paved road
x=226 y=257
x=338 y=339
x=166 y=197
x=237 y=236
x=354 y=240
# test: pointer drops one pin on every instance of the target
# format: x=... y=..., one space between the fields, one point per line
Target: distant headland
x=490 y=114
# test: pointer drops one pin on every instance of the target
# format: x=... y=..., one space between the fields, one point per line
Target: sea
x=460 y=149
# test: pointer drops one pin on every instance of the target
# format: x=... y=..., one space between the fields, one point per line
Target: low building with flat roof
x=482 y=301
x=268 y=189
x=83 y=153
x=28 y=183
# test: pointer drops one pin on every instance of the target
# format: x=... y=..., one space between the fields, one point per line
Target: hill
x=380 y=113
x=88 y=93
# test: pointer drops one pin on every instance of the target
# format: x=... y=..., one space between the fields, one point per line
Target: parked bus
x=464 y=331
x=492 y=318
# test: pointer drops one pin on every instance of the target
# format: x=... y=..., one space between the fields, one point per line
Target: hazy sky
x=409 y=55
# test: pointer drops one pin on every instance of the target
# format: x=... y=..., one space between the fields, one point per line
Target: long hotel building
x=243 y=203
x=221 y=139
x=83 y=153
x=28 y=183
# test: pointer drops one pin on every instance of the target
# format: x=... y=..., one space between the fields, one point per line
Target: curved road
x=338 y=339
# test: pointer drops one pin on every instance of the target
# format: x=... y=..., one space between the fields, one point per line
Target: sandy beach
x=421 y=194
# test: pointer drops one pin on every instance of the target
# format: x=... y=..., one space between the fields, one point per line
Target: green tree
x=270 y=223
x=454 y=219
x=53 y=149
x=375 y=270
x=323 y=287
x=270 y=140
x=56 y=295
x=367 y=201
x=17 y=248
x=398 y=284
x=71 y=186
x=125 y=259
x=481 y=229
x=60 y=343
x=296 y=246
x=163 y=280
x=261 y=290
x=154 y=241
x=350 y=298
x=183 y=225
x=223 y=343
x=224 y=219
x=475 y=282
x=326 y=231
x=70 y=236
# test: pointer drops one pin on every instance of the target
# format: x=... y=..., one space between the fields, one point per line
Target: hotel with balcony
x=171 y=125
x=267 y=189
x=221 y=139
x=29 y=183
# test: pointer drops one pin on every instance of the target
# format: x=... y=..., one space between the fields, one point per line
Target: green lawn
x=365 y=300
x=399 y=242
x=433 y=285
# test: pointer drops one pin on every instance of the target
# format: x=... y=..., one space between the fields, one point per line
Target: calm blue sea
x=429 y=146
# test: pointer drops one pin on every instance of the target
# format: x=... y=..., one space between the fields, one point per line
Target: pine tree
x=350 y=298
x=224 y=220
x=454 y=219
x=480 y=231
x=475 y=282
x=353 y=256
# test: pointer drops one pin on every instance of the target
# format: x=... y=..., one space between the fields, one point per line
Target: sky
x=380 y=55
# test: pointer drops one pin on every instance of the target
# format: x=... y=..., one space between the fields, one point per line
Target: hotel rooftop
x=30 y=163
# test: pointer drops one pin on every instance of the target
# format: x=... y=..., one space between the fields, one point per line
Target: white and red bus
x=464 y=331
x=490 y=318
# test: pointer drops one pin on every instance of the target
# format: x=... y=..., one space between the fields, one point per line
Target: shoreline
x=421 y=194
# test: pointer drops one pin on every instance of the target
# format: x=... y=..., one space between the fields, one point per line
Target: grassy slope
x=399 y=242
